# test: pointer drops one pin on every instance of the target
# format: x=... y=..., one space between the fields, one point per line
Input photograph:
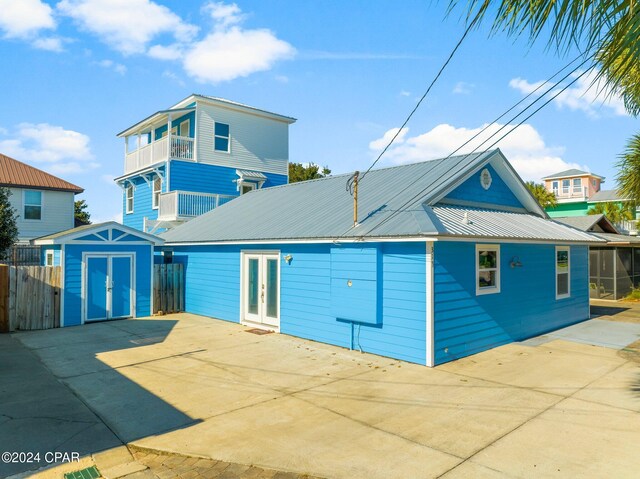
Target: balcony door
x=261 y=289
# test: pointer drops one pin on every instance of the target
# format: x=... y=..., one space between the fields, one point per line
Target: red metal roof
x=17 y=174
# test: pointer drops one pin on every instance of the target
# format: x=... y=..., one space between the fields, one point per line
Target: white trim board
x=430 y=316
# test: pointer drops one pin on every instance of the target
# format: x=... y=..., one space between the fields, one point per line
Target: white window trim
x=228 y=138
x=25 y=204
x=186 y=123
x=48 y=254
x=496 y=288
x=126 y=200
x=250 y=184
x=568 y=273
x=155 y=203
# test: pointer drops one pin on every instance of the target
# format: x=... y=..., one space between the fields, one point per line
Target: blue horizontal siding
x=213 y=289
x=204 y=178
x=497 y=194
x=142 y=203
x=526 y=305
x=72 y=288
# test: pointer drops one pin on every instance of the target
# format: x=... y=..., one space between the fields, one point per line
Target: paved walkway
x=193 y=386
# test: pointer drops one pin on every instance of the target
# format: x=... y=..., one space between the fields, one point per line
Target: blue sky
x=76 y=72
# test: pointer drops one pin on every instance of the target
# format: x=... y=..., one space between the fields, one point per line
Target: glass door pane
x=253 y=286
x=272 y=288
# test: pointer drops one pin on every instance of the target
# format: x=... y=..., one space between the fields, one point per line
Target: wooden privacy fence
x=168 y=288
x=29 y=297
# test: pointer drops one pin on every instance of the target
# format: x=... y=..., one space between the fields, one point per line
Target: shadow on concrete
x=56 y=395
x=600 y=310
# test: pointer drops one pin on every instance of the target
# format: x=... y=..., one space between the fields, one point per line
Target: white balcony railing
x=158 y=151
x=571 y=192
x=182 y=205
x=628 y=227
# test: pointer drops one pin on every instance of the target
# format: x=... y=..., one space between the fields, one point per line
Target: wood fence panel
x=34 y=297
x=168 y=288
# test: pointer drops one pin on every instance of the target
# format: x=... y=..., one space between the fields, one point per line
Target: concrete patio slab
x=598 y=333
x=572 y=439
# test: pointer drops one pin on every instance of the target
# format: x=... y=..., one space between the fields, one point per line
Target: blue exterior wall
x=497 y=194
x=526 y=305
x=72 y=287
x=205 y=178
x=142 y=203
x=213 y=289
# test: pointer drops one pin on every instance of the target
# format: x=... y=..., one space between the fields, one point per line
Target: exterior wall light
x=515 y=262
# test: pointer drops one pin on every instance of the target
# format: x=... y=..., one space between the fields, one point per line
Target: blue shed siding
x=205 y=178
x=72 y=288
x=213 y=289
x=526 y=305
x=56 y=254
x=498 y=194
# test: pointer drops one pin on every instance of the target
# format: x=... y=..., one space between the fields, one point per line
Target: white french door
x=261 y=289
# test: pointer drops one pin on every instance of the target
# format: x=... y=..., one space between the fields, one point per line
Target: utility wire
x=444 y=65
x=421 y=192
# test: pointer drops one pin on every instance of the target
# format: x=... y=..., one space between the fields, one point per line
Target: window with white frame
x=577 y=185
x=247 y=187
x=129 y=200
x=487 y=269
x=563 y=272
x=554 y=187
x=48 y=257
x=157 y=189
x=221 y=137
x=32 y=205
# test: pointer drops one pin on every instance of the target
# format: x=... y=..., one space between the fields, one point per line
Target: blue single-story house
x=448 y=258
x=107 y=271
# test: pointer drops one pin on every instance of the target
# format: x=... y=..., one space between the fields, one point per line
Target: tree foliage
x=300 y=172
x=81 y=214
x=8 y=223
x=545 y=198
x=629 y=170
x=615 y=212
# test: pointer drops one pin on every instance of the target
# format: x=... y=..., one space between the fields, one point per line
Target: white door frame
x=132 y=278
x=260 y=320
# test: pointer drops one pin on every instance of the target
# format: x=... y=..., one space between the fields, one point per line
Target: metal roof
x=479 y=222
x=570 y=173
x=14 y=173
x=73 y=233
x=588 y=222
x=618 y=239
x=251 y=174
x=393 y=202
x=606 y=195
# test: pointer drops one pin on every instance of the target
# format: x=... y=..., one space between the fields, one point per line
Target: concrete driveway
x=559 y=406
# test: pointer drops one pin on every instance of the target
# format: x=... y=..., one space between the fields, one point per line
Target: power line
x=421 y=192
x=444 y=65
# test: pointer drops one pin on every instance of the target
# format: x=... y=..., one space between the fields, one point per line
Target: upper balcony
x=572 y=193
x=168 y=147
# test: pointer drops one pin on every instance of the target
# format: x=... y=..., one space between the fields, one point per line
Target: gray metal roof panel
x=619 y=238
x=480 y=222
x=251 y=174
x=569 y=173
x=323 y=208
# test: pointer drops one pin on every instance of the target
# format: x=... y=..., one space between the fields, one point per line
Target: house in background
x=448 y=258
x=45 y=203
x=578 y=191
x=614 y=267
x=200 y=153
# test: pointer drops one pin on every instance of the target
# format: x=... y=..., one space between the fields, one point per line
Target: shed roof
x=570 y=173
x=618 y=239
x=400 y=201
x=65 y=236
x=16 y=174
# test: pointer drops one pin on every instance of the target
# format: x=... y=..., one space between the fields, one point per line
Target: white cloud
x=405 y=93
x=170 y=52
x=111 y=65
x=463 y=88
x=224 y=15
x=25 y=18
x=172 y=76
x=127 y=25
x=524 y=147
x=231 y=53
x=588 y=94
x=64 y=151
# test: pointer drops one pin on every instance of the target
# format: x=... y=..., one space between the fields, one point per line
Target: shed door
x=108 y=287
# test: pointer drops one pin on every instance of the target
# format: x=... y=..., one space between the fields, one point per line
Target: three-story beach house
x=200 y=153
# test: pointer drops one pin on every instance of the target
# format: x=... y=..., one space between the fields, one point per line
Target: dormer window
x=221 y=137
